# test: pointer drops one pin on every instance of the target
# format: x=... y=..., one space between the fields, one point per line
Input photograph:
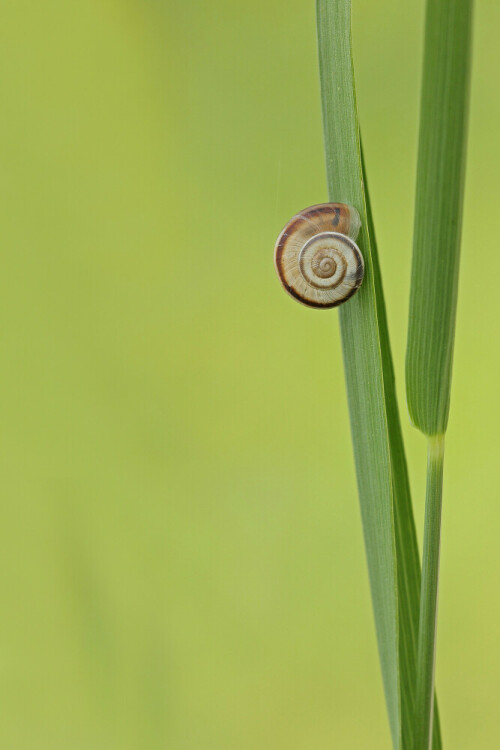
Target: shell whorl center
x=323 y=265
x=322 y=261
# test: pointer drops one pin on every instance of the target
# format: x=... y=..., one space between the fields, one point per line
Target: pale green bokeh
x=182 y=558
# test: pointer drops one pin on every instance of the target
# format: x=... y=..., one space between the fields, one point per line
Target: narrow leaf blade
x=408 y=560
x=438 y=212
x=361 y=345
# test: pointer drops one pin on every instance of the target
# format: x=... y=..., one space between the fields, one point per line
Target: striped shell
x=316 y=257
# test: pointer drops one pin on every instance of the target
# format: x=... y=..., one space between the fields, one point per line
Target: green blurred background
x=182 y=558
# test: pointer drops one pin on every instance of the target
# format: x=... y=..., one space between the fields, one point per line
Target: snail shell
x=316 y=257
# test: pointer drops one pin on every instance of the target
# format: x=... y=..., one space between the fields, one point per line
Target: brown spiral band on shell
x=316 y=257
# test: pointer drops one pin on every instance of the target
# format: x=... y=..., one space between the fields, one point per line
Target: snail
x=316 y=257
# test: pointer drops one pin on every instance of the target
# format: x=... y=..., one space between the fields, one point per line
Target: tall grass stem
x=426 y=654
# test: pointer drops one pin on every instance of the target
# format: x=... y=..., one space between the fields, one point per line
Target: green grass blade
x=361 y=345
x=434 y=286
x=408 y=560
x=438 y=212
x=366 y=354
x=380 y=460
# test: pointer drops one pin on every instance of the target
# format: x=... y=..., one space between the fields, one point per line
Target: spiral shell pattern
x=316 y=257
